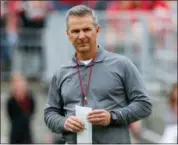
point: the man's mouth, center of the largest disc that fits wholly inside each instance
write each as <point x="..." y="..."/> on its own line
<point x="82" y="45"/>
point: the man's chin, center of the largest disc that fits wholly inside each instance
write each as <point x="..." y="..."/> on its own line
<point x="83" y="49"/>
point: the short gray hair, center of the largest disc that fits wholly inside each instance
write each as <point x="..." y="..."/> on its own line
<point x="81" y="10"/>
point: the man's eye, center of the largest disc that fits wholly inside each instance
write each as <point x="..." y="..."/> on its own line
<point x="87" y="30"/>
<point x="75" y="31"/>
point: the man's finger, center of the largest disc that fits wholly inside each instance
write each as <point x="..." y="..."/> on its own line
<point x="75" y="123"/>
<point x="95" y="120"/>
<point x="74" y="128"/>
<point x="99" y="111"/>
<point x="102" y="115"/>
<point x="74" y="118"/>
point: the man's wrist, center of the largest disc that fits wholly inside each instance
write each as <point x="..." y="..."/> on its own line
<point x="114" y="118"/>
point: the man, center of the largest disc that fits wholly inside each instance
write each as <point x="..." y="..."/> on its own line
<point x="108" y="83"/>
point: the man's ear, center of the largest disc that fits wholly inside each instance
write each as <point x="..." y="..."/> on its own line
<point x="97" y="29"/>
<point x="67" y="32"/>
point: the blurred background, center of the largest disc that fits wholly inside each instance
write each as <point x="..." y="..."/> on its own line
<point x="34" y="43"/>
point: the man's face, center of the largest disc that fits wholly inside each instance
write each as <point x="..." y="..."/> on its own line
<point x="82" y="33"/>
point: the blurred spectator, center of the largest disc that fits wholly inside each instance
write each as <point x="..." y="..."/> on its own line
<point x="136" y="129"/>
<point x="25" y="23"/>
<point x="12" y="25"/>
<point x="98" y="5"/>
<point x="27" y="14"/>
<point x="130" y="25"/>
<point x="3" y="14"/>
<point x="170" y="131"/>
<point x="20" y="108"/>
<point x="66" y="4"/>
<point x="4" y="54"/>
<point x="136" y="5"/>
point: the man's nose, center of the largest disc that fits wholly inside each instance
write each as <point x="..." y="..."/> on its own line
<point x="81" y="35"/>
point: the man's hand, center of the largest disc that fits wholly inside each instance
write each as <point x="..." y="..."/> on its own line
<point x="99" y="117"/>
<point x="73" y="124"/>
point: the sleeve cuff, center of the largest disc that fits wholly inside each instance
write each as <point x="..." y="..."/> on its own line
<point x="61" y="124"/>
<point x="116" y="118"/>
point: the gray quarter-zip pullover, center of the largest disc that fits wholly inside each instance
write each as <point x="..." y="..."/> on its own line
<point x="116" y="85"/>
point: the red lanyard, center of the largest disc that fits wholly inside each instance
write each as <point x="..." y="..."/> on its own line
<point x="88" y="83"/>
